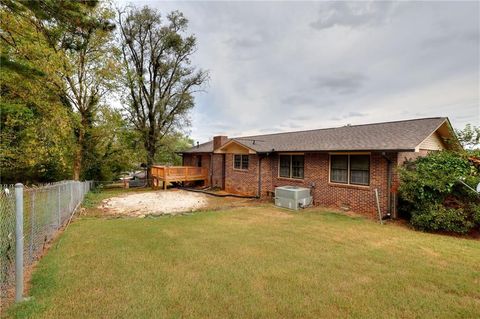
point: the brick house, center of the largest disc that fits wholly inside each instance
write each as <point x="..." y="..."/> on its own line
<point x="342" y="166"/>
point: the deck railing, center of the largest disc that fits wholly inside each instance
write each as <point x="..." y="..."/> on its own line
<point x="167" y="174"/>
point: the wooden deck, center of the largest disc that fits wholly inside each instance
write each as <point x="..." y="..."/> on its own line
<point x="166" y="174"/>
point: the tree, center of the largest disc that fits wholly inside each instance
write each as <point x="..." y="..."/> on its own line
<point x="76" y="39"/>
<point x="35" y="131"/>
<point x="469" y="137"/>
<point x="89" y="74"/>
<point x="158" y="74"/>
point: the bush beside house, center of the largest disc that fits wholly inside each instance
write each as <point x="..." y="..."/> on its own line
<point x="435" y="198"/>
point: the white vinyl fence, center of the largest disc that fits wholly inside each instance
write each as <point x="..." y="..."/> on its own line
<point x="29" y="219"/>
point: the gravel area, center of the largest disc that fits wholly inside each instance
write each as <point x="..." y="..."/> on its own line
<point x="156" y="203"/>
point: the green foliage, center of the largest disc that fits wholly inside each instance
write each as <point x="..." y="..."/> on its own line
<point x="431" y="189"/>
<point x="63" y="23"/>
<point x="440" y="218"/>
<point x="32" y="147"/>
<point x="469" y="137"/>
<point x="171" y="144"/>
<point x="111" y="153"/>
<point x="35" y="131"/>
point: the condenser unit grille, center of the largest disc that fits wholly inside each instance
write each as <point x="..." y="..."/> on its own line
<point x="292" y="197"/>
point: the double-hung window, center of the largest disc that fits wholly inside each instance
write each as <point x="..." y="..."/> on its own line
<point x="339" y="169"/>
<point x="350" y="169"/>
<point x="240" y="161"/>
<point x="291" y="166"/>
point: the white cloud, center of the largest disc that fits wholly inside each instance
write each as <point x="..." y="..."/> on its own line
<point x="279" y="66"/>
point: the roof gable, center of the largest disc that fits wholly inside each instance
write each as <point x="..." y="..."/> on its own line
<point x="234" y="146"/>
<point x="443" y="137"/>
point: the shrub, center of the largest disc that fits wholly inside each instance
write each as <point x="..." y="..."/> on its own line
<point x="437" y="201"/>
<point x="440" y="218"/>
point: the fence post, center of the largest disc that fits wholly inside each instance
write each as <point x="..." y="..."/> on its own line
<point x="72" y="205"/>
<point x="58" y="206"/>
<point x="32" y="223"/>
<point x="18" y="242"/>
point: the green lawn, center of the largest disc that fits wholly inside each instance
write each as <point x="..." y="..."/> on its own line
<point x="253" y="262"/>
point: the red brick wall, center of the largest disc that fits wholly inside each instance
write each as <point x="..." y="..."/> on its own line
<point x="186" y="159"/>
<point x="267" y="176"/>
<point x="217" y="170"/>
<point x="241" y="181"/>
<point x="192" y="160"/>
<point x="356" y="198"/>
<point x="405" y="156"/>
<point x="214" y="164"/>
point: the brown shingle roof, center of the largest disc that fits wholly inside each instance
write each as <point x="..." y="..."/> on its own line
<point x="388" y="136"/>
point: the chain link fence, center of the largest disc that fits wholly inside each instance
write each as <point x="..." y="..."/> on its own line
<point x="46" y="209"/>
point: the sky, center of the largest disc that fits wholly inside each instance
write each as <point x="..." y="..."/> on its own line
<point x="289" y="66"/>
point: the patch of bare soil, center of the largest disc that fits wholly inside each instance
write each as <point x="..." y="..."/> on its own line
<point x="155" y="203"/>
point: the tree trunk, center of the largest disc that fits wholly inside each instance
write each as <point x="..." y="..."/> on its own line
<point x="151" y="150"/>
<point x="78" y="160"/>
<point x="77" y="164"/>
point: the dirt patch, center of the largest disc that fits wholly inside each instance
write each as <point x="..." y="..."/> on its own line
<point x="155" y="203"/>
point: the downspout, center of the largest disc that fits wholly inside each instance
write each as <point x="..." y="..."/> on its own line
<point x="259" y="193"/>
<point x="389" y="184"/>
<point x="224" y="170"/>
<point x="211" y="170"/>
<point x="273" y="162"/>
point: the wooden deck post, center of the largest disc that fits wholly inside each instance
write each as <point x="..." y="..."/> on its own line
<point x="165" y="178"/>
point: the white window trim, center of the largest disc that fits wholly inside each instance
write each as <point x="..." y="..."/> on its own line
<point x="291" y="168"/>
<point x="348" y="169"/>
<point x="241" y="161"/>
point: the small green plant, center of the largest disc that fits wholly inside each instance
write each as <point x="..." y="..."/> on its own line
<point x="431" y="190"/>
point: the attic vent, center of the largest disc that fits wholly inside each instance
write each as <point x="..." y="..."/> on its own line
<point x="198" y="144"/>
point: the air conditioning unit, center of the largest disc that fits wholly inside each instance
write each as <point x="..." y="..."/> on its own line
<point x="292" y="197"/>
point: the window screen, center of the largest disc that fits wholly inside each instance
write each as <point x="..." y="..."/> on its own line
<point x="360" y="169"/>
<point x="297" y="166"/>
<point x="291" y="166"/>
<point x="339" y="168"/>
<point x="237" y="163"/>
<point x="240" y="162"/>
<point x="285" y="166"/>
<point x="244" y="161"/>
<point x="350" y="169"/>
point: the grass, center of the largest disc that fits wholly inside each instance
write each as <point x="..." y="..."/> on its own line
<point x="253" y="262"/>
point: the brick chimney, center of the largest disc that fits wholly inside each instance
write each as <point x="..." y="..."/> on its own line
<point x="218" y="141"/>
